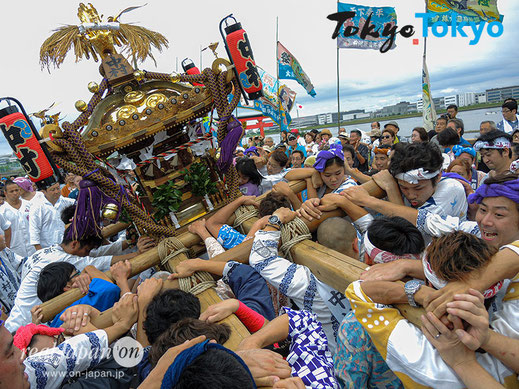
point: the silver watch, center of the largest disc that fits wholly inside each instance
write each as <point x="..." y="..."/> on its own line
<point x="275" y="220"/>
<point x="410" y="288"/>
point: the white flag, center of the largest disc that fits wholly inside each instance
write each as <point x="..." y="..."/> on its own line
<point x="429" y="112"/>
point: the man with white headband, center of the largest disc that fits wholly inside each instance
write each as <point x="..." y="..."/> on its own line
<point x="497" y="217"/>
<point x="415" y="173"/>
<point x="495" y="148"/>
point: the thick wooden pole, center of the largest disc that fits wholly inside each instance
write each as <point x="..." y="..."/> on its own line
<point x="113" y="229"/>
<point x="144" y="261"/>
<point x="54" y="306"/>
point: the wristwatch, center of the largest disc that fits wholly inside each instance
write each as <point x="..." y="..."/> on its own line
<point x="275" y="222"/>
<point x="410" y="288"/>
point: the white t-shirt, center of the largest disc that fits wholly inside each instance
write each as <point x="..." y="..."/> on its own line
<point x="4" y="223"/>
<point x="19" y="219"/>
<point x="45" y="225"/>
<point x="27" y="296"/>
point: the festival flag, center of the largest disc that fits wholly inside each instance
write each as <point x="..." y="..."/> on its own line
<point x="468" y="11"/>
<point x="377" y="17"/>
<point x="277" y="100"/>
<point x="429" y="111"/>
<point x="289" y="68"/>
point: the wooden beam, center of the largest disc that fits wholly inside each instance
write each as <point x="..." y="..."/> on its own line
<point x="113" y="229"/>
<point x="207" y="298"/>
<point x="144" y="261"/>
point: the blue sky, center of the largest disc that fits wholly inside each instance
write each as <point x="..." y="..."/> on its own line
<point x="368" y="78"/>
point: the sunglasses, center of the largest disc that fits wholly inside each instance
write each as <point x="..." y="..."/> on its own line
<point x="386" y="136"/>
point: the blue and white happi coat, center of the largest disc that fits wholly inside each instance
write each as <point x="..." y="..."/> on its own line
<point x="299" y="284"/>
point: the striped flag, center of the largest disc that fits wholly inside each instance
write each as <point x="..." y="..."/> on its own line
<point x="429" y="111"/>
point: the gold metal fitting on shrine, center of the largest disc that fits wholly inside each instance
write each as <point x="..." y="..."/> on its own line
<point x="110" y="211"/>
<point x="81" y="106"/>
<point x="174" y="77"/>
<point x="93" y="86"/>
<point x="139" y="75"/>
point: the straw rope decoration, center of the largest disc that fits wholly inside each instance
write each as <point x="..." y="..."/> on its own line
<point x="244" y="213"/>
<point x="197" y="283"/>
<point x="78" y="160"/>
<point x="292" y="233"/>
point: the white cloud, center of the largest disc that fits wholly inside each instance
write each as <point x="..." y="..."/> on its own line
<point x="368" y="78"/>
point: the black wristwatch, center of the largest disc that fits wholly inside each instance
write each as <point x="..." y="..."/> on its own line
<point x="275" y="221"/>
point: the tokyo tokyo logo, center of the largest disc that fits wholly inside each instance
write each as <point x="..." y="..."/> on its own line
<point x="370" y="31"/>
<point x="461" y="29"/>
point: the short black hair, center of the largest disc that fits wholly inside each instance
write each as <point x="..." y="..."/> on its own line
<point x="453" y="106"/>
<point x="187" y="329"/>
<point x="443" y="117"/>
<point x="271" y="202"/>
<point x="53" y="279"/>
<point x="396" y="235"/>
<point x="356" y="132"/>
<point x="414" y="156"/>
<point x="9" y="182"/>
<point x="167" y="308"/>
<point x="68" y="213"/>
<point x="299" y="152"/>
<point x="247" y="167"/>
<point x="280" y="157"/>
<point x="215" y="369"/>
<point x="511" y="104"/>
<point x="378" y="124"/>
<point x="448" y="137"/>
<point x="92" y="241"/>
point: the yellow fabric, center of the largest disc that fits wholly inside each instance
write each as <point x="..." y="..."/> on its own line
<point x="379" y="321"/>
<point x="512" y="293"/>
<point x="378" y="325"/>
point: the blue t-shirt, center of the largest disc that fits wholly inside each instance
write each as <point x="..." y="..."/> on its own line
<point x="102" y="295"/>
<point x="228" y="237"/>
<point x="290" y="150"/>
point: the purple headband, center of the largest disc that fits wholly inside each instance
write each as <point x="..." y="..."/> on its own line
<point x="455" y="176"/>
<point x="508" y="189"/>
<point x="24" y="183"/>
<point x="324" y="155"/>
<point x="251" y="150"/>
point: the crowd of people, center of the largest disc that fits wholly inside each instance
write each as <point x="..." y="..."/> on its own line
<point x="445" y="237"/>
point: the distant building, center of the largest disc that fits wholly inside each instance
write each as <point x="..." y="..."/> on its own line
<point x="467" y="98"/>
<point x="453" y="99"/>
<point x="355" y="114"/>
<point x="497" y="95"/>
<point x="439" y="103"/>
<point x="401" y="108"/>
<point x="481" y="97"/>
<point x="325" y="118"/>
